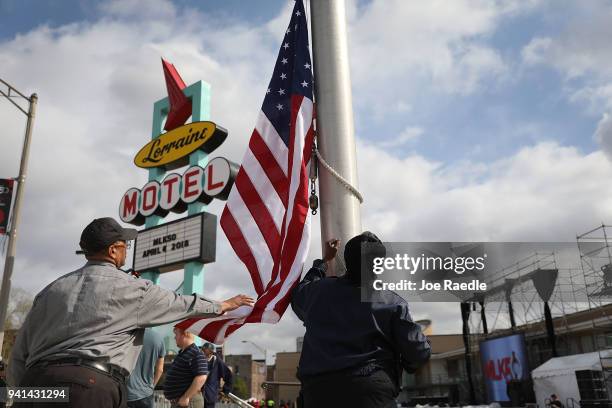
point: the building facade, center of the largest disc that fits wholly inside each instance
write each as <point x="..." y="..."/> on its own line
<point x="253" y="372"/>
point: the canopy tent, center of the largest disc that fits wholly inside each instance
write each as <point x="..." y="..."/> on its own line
<point x="558" y="375"/>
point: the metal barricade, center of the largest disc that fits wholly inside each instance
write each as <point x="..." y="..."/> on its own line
<point x="237" y="401"/>
<point x="162" y="402"/>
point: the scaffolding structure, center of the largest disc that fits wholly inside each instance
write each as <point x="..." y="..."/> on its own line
<point x="596" y="260"/>
<point x="582" y="287"/>
<point x="558" y="295"/>
<point x="513" y="303"/>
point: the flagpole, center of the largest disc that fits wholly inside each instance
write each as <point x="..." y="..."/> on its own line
<point x="340" y="213"/>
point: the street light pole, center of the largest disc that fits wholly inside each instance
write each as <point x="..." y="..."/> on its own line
<point x="12" y="235"/>
<point x="263" y="350"/>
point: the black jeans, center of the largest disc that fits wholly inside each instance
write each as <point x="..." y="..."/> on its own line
<point x="89" y="387"/>
<point x="343" y="389"/>
<point x="147" y="402"/>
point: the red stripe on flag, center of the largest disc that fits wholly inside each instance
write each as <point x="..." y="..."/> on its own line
<point x="185" y="324"/>
<point x="282" y="304"/>
<point x="259" y="211"/>
<point x="296" y="228"/>
<point x="232" y="328"/>
<point x="270" y="166"/>
<point x="295" y="101"/>
<point x="241" y="247"/>
<point x="296" y="225"/>
<point x="307" y="154"/>
<point x="211" y="330"/>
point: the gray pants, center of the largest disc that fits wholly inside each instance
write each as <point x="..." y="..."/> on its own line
<point x="88" y="387"/>
<point x="194" y="402"/>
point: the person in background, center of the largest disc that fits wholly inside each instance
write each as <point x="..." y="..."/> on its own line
<point x="3" y="393"/>
<point x="147" y="372"/>
<point x="187" y="374"/>
<point x="217" y="370"/>
<point x="354" y="349"/>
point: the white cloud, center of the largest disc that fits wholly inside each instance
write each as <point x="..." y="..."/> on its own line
<point x="581" y="53"/>
<point x="140" y="9"/>
<point x="403" y="107"/>
<point x="580" y="48"/>
<point x="544" y="192"/>
<point x="596" y="97"/>
<point x="441" y="43"/>
<point x="407" y="135"/>
<point x="535" y="51"/>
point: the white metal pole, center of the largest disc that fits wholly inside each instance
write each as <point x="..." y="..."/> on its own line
<point x="10" y="253"/>
<point x="340" y="213"/>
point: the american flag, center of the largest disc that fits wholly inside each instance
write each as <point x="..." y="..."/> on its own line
<point x="266" y="217"/>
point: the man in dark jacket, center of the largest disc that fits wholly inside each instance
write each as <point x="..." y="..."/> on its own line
<point x="354" y="351"/>
<point x="217" y="369"/>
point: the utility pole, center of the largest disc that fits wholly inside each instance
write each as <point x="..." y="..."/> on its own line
<point x="340" y="212"/>
<point x="5" y="290"/>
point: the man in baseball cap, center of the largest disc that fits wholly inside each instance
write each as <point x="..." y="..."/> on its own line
<point x="85" y="329"/>
<point x="217" y="370"/>
<point x="105" y="240"/>
<point x="101" y="233"/>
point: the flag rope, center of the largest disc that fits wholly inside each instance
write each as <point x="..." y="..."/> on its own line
<point x="338" y="177"/>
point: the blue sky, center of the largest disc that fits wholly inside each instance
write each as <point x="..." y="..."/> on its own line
<point x="480" y="126"/>
<point x="20" y="16"/>
<point x="475" y="120"/>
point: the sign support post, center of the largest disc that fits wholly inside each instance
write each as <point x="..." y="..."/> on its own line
<point x="193" y="275"/>
<point x="199" y="93"/>
<point x="190" y="242"/>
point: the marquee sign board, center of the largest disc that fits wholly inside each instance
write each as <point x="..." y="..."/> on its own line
<point x="177" y="191"/>
<point x="172" y="149"/>
<point x="6" y="196"/>
<point x="190" y="242"/>
<point x="169" y="246"/>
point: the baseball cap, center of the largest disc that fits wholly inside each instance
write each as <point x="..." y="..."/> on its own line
<point x="102" y="232"/>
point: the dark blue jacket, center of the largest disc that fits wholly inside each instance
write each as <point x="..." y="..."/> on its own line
<point x="217" y="369"/>
<point x="342" y="332"/>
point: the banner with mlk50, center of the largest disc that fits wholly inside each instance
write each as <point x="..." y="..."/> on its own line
<point x="503" y="360"/>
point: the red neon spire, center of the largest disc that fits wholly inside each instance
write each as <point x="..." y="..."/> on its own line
<point x="180" y="105"/>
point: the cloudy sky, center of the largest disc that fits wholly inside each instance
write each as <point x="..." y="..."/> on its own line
<point x="475" y="120"/>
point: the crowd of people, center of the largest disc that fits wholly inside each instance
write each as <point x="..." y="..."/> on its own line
<point x="89" y="331"/>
